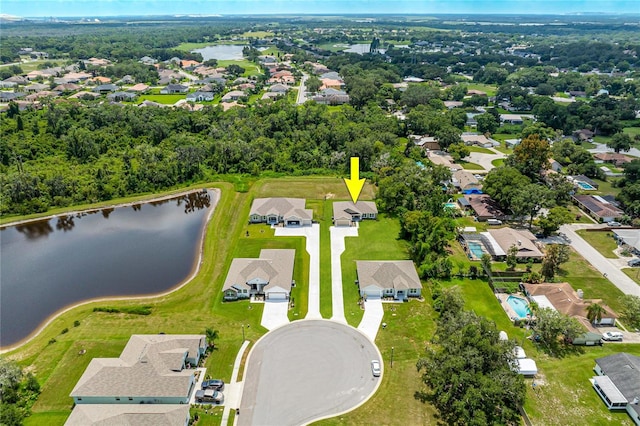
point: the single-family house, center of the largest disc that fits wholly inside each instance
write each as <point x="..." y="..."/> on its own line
<point x="555" y="166"/>
<point x="270" y="276"/>
<point x="563" y="298"/>
<point x="127" y="414"/>
<point x="465" y="181"/>
<point x="331" y="83"/>
<point x="618" y="383"/>
<point x="388" y="278"/>
<point x="11" y="96"/>
<point x="174" y="88"/>
<point x="287" y="211"/>
<point x="524" y="240"/>
<point x="18" y="79"/>
<point x="443" y="160"/>
<point x="101" y="80"/>
<point x="629" y="238"/>
<point x="147" y="60"/>
<point x="425" y="142"/>
<point x="331" y="97"/>
<point x="333" y="75"/>
<point x="67" y="87"/>
<point x="614" y="158"/>
<point x="480" y="140"/>
<point x="105" y="88"/>
<point x="36" y="87"/>
<point x="234" y="95"/>
<point x="4" y="84"/>
<point x="122" y="96"/>
<point x="453" y="104"/>
<point x="271" y="95"/>
<point x="598" y="207"/>
<point x="152" y="369"/>
<point x="511" y="119"/>
<point x="512" y="143"/>
<point x="138" y="88"/>
<point x="583" y="178"/>
<point x="200" y="96"/>
<point x="578" y="93"/>
<point x="484" y="207"/>
<point x="279" y="88"/>
<point x="346" y="213"/>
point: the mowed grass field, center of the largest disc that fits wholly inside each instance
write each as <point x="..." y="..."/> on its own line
<point x="601" y="241"/>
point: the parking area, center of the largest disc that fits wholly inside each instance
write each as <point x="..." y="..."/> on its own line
<point x="305" y="371"/>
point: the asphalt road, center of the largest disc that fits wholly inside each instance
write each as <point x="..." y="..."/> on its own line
<point x="307" y="370"/>
<point x="302" y="95"/>
<point x="601" y="263"/>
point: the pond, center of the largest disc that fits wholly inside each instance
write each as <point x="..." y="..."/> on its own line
<point x="223" y="52"/>
<point x="50" y="264"/>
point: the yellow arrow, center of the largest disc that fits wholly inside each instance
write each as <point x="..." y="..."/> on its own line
<point x="355" y="184"/>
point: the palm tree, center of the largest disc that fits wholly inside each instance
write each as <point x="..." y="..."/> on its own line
<point x="594" y="312"/>
<point x="212" y="335"/>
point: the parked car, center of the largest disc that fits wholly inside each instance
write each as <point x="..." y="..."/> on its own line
<point x="614" y="223"/>
<point x="215" y="384"/>
<point x="375" y="368"/>
<point x="634" y="262"/>
<point x="209" y="395"/>
<point x="494" y="222"/>
<point x="611" y="336"/>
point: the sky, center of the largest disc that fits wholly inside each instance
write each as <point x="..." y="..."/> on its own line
<point x="93" y="8"/>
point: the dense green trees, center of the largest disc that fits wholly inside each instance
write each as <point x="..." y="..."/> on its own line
<point x="468" y="370"/>
<point x="18" y="391"/>
<point x="93" y="152"/>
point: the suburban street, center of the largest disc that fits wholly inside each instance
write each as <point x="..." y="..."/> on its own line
<point x="305" y="371"/>
<point x="598" y="261"/>
<point x="302" y="95"/>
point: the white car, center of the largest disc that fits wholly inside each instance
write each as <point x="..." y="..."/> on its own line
<point x="375" y="368"/>
<point x="612" y="336"/>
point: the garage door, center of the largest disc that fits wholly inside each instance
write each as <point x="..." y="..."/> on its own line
<point x="372" y="292"/>
<point x="276" y="296"/>
<point x="293" y="223"/>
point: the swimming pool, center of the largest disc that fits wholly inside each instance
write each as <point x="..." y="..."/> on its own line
<point x="450" y="206"/>
<point x="476" y="249"/>
<point x="520" y="306"/>
<point x="585" y="186"/>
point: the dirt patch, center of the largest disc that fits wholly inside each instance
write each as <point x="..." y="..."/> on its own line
<point x="329" y="196"/>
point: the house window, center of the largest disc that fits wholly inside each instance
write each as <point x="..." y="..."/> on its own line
<point x="117" y="399"/>
<point x="388" y="291"/>
<point x="130" y="399"/>
<point x="413" y="291"/>
<point x="79" y="399"/>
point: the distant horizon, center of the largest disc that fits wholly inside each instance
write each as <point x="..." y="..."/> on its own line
<point x="141" y="8"/>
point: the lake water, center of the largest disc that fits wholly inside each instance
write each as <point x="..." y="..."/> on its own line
<point x="221" y="51"/>
<point x="53" y="263"/>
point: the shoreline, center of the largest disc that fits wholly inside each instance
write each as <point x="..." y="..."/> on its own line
<point x="195" y="269"/>
<point x="108" y="206"/>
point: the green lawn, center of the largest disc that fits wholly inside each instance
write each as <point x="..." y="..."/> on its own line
<point x="581" y="275"/>
<point x="376" y="240"/>
<point x="475" y="148"/>
<point x="605" y="187"/>
<point x="601" y="241"/>
<point x="489" y="89"/>
<point x="631" y="131"/>
<point x="251" y="68"/>
<point x="162" y="99"/>
<point x="633" y="273"/>
<point x="498" y="162"/>
<point x="470" y="166"/>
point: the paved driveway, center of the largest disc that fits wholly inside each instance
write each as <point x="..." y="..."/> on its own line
<point x="275" y="314"/>
<point x="312" y="234"/>
<point x="601" y="263"/>
<point x="307" y="370"/>
<point x="484" y="159"/>
<point x="337" y="248"/>
<point x="372" y="317"/>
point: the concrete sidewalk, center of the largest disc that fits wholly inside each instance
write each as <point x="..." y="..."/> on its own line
<point x="312" y="235"/>
<point x="601" y="263"/>
<point x="233" y="389"/>
<point x="372" y="317"/>
<point x="337" y="247"/>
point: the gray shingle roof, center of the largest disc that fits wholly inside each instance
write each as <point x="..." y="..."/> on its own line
<point x="149" y="366"/>
<point x="284" y="207"/>
<point x="624" y="371"/>
<point x="397" y="274"/>
<point x="129" y="414"/>
<point x="345" y="209"/>
<point x="273" y="266"/>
